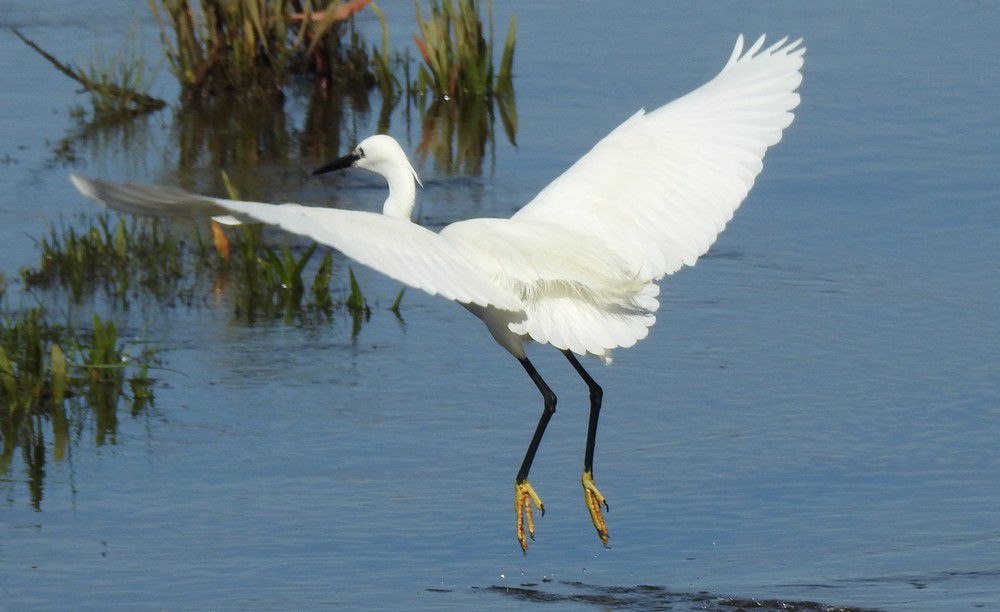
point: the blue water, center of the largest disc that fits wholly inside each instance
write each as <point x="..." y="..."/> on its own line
<point x="814" y="417"/>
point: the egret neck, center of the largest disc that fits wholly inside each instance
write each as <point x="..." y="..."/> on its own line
<point x="402" y="190"/>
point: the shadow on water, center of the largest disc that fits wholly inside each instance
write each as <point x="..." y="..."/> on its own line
<point x="646" y="597"/>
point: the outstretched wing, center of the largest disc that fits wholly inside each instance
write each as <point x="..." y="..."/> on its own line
<point x="395" y="247"/>
<point x="661" y="187"/>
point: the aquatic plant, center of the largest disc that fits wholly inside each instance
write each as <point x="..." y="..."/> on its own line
<point x="37" y="369"/>
<point x="250" y="47"/>
<point x="117" y="257"/>
<point x="357" y="305"/>
<point x="382" y="60"/>
<point x="458" y="123"/>
<point x="396" y="303"/>
<point x="118" y="86"/>
<point x="132" y="258"/>
<point x="458" y="58"/>
<point x="272" y="282"/>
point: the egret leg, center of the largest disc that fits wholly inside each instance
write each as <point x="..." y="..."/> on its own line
<point x="524" y="495"/>
<point x="591" y="495"/>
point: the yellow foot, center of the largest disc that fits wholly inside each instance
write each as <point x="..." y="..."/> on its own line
<point x="594" y="501"/>
<point x="524" y="495"/>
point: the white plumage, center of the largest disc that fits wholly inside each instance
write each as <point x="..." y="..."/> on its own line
<point x="575" y="267"/>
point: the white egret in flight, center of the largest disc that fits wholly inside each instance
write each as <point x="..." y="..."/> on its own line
<point x="577" y="266"/>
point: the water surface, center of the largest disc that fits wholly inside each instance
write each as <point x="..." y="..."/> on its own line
<point x="814" y="417"/>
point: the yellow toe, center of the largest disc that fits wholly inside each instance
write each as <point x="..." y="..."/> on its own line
<point x="594" y="499"/>
<point x="524" y="496"/>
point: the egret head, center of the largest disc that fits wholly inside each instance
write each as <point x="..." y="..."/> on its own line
<point x="380" y="154"/>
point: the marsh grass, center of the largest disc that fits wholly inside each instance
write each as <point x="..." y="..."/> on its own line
<point x="130" y="259"/>
<point x="118" y="86"/>
<point x="458" y="88"/>
<point x="458" y="51"/>
<point x="237" y="60"/>
<point x="251" y="48"/>
<point x="120" y="257"/>
<point x="273" y="282"/>
<point x="394" y="309"/>
<point x="357" y="305"/>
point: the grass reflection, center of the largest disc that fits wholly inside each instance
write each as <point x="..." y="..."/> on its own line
<point x="457" y="135"/>
<point x="53" y="378"/>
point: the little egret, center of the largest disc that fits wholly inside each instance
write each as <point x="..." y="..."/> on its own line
<point x="577" y="266"/>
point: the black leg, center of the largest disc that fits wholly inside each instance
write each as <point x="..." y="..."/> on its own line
<point x="596" y="394"/>
<point x="547" y="412"/>
<point x="591" y="494"/>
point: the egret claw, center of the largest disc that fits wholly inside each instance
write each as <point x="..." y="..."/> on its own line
<point x="594" y="499"/>
<point x="524" y="497"/>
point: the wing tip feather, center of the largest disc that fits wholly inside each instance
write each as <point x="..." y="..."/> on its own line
<point x="85" y="186"/>
<point x="737" y="51"/>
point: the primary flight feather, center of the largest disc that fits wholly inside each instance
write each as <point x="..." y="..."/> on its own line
<point x="577" y="266"/>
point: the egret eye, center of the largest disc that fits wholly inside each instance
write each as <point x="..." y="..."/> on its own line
<point x="361" y="152"/>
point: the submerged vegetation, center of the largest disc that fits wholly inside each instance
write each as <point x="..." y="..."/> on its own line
<point x="126" y="259"/>
<point x="269" y="283"/>
<point x="55" y="378"/>
<point x="52" y="374"/>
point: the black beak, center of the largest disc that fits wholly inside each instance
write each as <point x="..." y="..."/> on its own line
<point x="338" y="164"/>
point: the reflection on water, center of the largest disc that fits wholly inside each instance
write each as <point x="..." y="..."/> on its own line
<point x="457" y="133"/>
<point x="646" y="597"/>
<point x="56" y="431"/>
<point x="269" y="147"/>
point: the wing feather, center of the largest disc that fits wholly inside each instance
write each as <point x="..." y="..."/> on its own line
<point x="395" y="247"/>
<point x="661" y="186"/>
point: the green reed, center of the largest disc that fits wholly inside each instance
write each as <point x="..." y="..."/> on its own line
<point x="458" y="51"/>
<point x="382" y="62"/>
<point x="273" y="282"/>
<point x="251" y="47"/>
<point x="119" y="257"/>
<point x="357" y="306"/>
